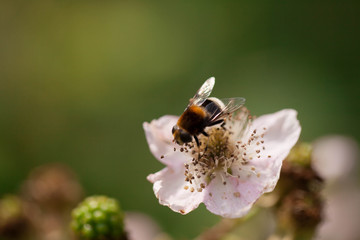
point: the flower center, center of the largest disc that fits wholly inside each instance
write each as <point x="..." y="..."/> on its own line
<point x="216" y="153"/>
<point x="224" y="152"/>
<point x="216" y="150"/>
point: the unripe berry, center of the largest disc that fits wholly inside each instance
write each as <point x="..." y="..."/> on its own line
<point x="98" y="218"/>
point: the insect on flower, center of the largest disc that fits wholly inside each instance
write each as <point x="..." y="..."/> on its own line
<point x="234" y="159"/>
<point x="203" y="112"/>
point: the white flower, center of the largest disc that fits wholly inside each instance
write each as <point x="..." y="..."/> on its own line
<point x="140" y="226"/>
<point x="230" y="170"/>
<point x="334" y="157"/>
<point x="341" y="215"/>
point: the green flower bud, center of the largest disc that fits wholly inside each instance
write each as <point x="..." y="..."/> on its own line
<point x="98" y="218"/>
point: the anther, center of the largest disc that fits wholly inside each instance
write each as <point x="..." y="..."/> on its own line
<point x="236" y="194"/>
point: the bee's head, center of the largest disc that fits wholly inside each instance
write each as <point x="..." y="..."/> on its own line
<point x="180" y="135"/>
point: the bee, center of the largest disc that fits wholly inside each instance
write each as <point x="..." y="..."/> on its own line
<point x="202" y="112"/>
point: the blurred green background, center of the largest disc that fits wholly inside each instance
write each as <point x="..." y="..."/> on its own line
<point x="78" y="79"/>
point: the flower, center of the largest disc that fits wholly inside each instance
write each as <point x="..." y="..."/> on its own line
<point x="341" y="215"/>
<point x="230" y="169"/>
<point x="334" y="157"/>
<point x="140" y="226"/>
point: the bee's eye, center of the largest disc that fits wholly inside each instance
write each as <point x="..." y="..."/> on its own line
<point x="185" y="137"/>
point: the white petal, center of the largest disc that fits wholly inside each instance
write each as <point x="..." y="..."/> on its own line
<point x="341" y="215"/>
<point x="139" y="226"/>
<point x="334" y="157"/>
<point x="159" y="137"/>
<point x="281" y="132"/>
<point x="234" y="199"/>
<point x="169" y="189"/>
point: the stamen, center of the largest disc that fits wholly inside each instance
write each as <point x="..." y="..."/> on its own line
<point x="221" y="153"/>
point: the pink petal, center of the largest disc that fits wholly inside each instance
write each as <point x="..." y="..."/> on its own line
<point x="159" y="137"/>
<point x="233" y="200"/>
<point x="334" y="157"/>
<point x="169" y="189"/>
<point x="341" y="215"/>
<point x="282" y="131"/>
<point x="248" y="182"/>
<point x="139" y="226"/>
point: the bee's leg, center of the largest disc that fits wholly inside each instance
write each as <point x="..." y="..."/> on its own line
<point x="205" y="134"/>
<point x="197" y="141"/>
<point x="216" y="122"/>
<point x="223" y="125"/>
<point x="198" y="145"/>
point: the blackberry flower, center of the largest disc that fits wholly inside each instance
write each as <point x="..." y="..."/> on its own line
<point x="230" y="169"/>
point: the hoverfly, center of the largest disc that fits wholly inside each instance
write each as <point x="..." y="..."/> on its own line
<point x="203" y="111"/>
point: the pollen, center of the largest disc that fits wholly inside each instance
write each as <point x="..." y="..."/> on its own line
<point x="225" y="152"/>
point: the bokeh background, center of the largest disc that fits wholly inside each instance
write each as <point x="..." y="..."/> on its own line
<point x="78" y="79"/>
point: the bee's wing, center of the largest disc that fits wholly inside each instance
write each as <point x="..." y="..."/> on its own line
<point x="230" y="106"/>
<point x="203" y="93"/>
